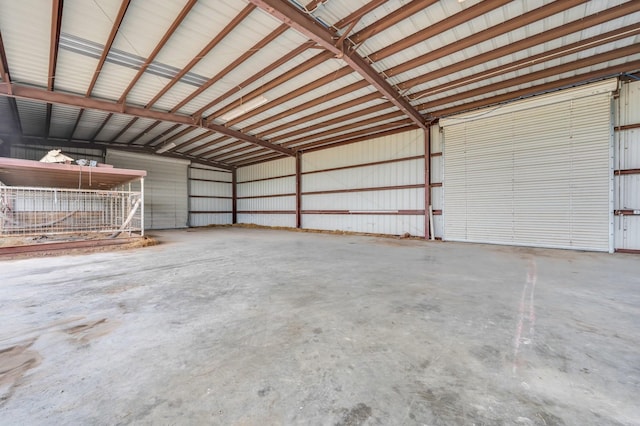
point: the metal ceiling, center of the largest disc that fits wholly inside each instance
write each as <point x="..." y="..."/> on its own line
<point x="145" y="74"/>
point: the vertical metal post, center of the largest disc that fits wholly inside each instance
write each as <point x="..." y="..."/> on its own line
<point x="427" y="182"/>
<point x="189" y="201"/>
<point x="142" y="207"/>
<point x="234" y="196"/>
<point x="298" y="189"/>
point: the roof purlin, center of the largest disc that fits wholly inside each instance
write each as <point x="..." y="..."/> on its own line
<point x="289" y="15"/>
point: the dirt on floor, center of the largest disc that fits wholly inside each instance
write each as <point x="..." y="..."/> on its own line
<point x="128" y="242"/>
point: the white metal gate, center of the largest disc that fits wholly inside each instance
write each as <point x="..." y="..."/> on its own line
<point x="536" y="172"/>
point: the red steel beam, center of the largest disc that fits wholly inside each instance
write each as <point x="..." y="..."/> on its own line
<point x="337" y="120"/>
<point x="541" y="88"/>
<point x="107" y="46"/>
<point x="393" y="18"/>
<point x="294" y="72"/>
<point x="211" y="152"/>
<point x="286" y="58"/>
<point x="371" y="132"/>
<point x="250" y="163"/>
<point x="293" y="94"/>
<point x="349" y="140"/>
<point x="298" y="189"/>
<point x="213" y="43"/>
<point x="36" y="94"/>
<point x="174" y="26"/>
<point x="491" y="32"/>
<point x="569" y="49"/>
<point x="6" y="78"/>
<point x="427" y="183"/>
<point x="439" y="27"/>
<point x="103" y="57"/>
<point x="196" y="139"/>
<point x="245" y="56"/>
<point x="56" y="23"/>
<point x="331" y="110"/>
<point x="351" y="126"/>
<point x="212" y="143"/>
<point x="234" y="195"/>
<point x="315" y="102"/>
<point x="534" y="40"/>
<point x="549" y="72"/>
<point x="288" y="14"/>
<point x="4" y="66"/>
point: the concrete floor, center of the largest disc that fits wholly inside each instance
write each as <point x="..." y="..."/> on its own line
<point x="236" y="326"/>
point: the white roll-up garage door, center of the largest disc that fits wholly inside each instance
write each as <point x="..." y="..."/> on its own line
<point x="536" y="172"/>
<point x="165" y="187"/>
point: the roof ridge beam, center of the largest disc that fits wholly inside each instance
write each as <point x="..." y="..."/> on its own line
<point x="289" y="15"/>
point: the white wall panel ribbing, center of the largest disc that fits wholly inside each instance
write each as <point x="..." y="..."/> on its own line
<point x="535" y="173"/>
<point x="266" y="193"/>
<point x="210" y="196"/>
<point x="627" y="160"/>
<point x="384" y="198"/>
<point x="165" y="187"/>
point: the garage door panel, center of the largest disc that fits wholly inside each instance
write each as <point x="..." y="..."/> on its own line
<point x="533" y="176"/>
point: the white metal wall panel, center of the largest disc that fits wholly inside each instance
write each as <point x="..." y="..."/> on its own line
<point x="408" y="172"/>
<point x="628" y="105"/>
<point x="406" y="144"/>
<point x="210" y="193"/>
<point x="373" y="211"/>
<point x="385" y="200"/>
<point x="275" y="186"/>
<point x="285" y="166"/>
<point x="375" y="224"/>
<point x="265" y="180"/>
<point x="538" y="176"/>
<point x="267" y="204"/>
<point x="627" y="157"/>
<point x="284" y="220"/>
<point x="165" y="187"/>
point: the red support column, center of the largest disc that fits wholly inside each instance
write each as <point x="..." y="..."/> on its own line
<point x="234" y="195"/>
<point x="427" y="182"/>
<point x="298" y="189"/>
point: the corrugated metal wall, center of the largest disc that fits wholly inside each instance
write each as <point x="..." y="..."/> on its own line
<point x="627" y="166"/>
<point x="165" y="187"/>
<point x="266" y="193"/>
<point x="537" y="172"/>
<point x="210" y="196"/>
<point x="374" y="186"/>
